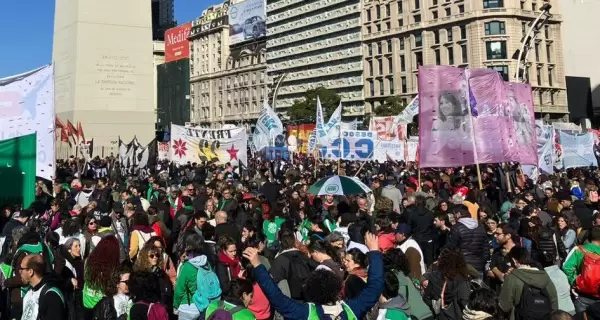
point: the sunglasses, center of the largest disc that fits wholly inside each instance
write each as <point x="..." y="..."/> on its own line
<point x="91" y="223"/>
<point x="153" y="256"/>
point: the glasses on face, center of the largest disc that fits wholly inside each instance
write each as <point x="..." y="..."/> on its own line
<point x="23" y="268"/>
<point x="153" y="256"/>
<point x="92" y="223"/>
<point x="125" y="281"/>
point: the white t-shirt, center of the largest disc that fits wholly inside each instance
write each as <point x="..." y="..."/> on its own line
<point x="122" y="303"/>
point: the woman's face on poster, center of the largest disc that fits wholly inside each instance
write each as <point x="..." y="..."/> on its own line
<point x="446" y="106"/>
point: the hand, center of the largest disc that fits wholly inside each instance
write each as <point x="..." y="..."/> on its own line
<point x="424" y="284"/>
<point x="74" y="282"/>
<point x="508" y="271"/>
<point x="252" y="255"/>
<point x="176" y="312"/>
<point x="371" y="242"/>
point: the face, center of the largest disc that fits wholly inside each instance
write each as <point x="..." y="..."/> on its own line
<point x="338" y="244"/>
<point x="483" y="215"/>
<point x="247" y="298"/>
<point x="75" y="249"/>
<point x="329" y="198"/>
<point x="210" y="206"/>
<point x="191" y="190"/>
<point x="153" y="258"/>
<point x="362" y="204"/>
<point x="438" y="223"/>
<point x="200" y="222"/>
<point x="444" y="206"/>
<point x="548" y="193"/>
<point x="124" y="196"/>
<point x="226" y="194"/>
<point x="159" y="247"/>
<point x="25" y="273"/>
<point x="446" y="106"/>
<point x="500" y="236"/>
<point x="123" y="286"/>
<point x="521" y="204"/>
<point x="92" y="225"/>
<point x="529" y="197"/>
<point x="491" y="224"/>
<point x="565" y="203"/>
<point x="295" y="195"/>
<point x="231" y="251"/>
<point x="247" y="233"/>
<point x="349" y="263"/>
<point x="561" y="223"/>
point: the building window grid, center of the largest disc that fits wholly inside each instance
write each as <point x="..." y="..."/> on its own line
<point x="451" y="55"/>
<point x="380" y="67"/>
<point x="461" y="8"/>
<point x="503" y="70"/>
<point x="417" y="18"/>
<point x="539" y="76"/>
<point x="389" y="46"/>
<point x="401" y="44"/>
<point x="496" y="50"/>
<point x="436" y="36"/>
<point x="464" y="53"/>
<point x="403" y="82"/>
<point x="381" y="88"/>
<point x="418" y="41"/>
<point x="417" y="4"/>
<point x="449" y="34"/>
<point x="438" y="59"/>
<point x="391" y="85"/>
<point x="550" y="80"/>
<point x="490" y="4"/>
<point x="494" y="28"/>
<point x="388" y="11"/>
<point x="402" y="64"/>
<point x="548" y="53"/>
<point x="390" y="66"/>
<point x="448" y="12"/>
<point x="463" y="32"/>
<point x="434" y="14"/>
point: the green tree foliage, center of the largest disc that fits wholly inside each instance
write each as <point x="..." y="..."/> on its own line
<point x="391" y="107"/>
<point x="307" y="108"/>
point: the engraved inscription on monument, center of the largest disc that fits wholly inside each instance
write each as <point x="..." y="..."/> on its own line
<point x="116" y="76"/>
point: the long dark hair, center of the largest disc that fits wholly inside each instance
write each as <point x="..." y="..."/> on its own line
<point x="322" y="247"/>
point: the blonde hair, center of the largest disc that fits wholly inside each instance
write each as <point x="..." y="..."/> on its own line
<point x="142" y="263"/>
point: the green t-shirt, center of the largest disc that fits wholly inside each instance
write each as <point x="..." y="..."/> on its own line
<point x="91" y="297"/>
<point x="243" y="314"/>
<point x="271" y="228"/>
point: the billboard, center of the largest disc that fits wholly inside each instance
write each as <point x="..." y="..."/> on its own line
<point x="247" y="21"/>
<point x="177" y="45"/>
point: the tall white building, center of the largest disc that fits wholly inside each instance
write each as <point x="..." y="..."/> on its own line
<point x="316" y="44"/>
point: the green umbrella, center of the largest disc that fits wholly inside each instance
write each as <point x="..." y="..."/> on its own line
<point x="338" y="185"/>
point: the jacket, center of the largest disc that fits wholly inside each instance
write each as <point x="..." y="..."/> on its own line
<point x="394" y="309"/>
<point x="392" y="193"/>
<point x="105" y="309"/>
<point x="243" y="314"/>
<point x="583" y="213"/>
<point x="510" y="295"/>
<point x="456" y="295"/>
<point x="421" y="223"/>
<point x="470" y="237"/>
<point x="417" y="307"/>
<point x="563" y="289"/>
<point x="573" y="264"/>
<point x="294" y="310"/>
<point x="186" y="284"/>
<point x="281" y="268"/>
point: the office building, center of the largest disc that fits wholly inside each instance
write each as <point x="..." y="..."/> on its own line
<point x="227" y="69"/>
<point x="103" y="60"/>
<point x="163" y="18"/>
<point x="401" y="35"/>
<point x="316" y="44"/>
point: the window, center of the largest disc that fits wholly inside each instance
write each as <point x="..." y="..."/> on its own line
<point x="496" y="50"/>
<point x="378" y="11"/>
<point x="548" y="53"/>
<point x="487" y="4"/>
<point x="522" y="4"/>
<point x="434" y="2"/>
<point x="552" y="98"/>
<point x="448" y="12"/>
<point x="537" y="52"/>
<point x="438" y="59"/>
<point x="436" y="36"/>
<point x="463" y="32"/>
<point x="417" y="4"/>
<point x="450" y="55"/>
<point x="370" y="68"/>
<point x="403" y="84"/>
<point x="541" y="98"/>
<point x="464" y="54"/>
<point x="418" y="59"/>
<point x="390" y="65"/>
<point x="400" y="22"/>
<point x="400" y="7"/>
<point x="387" y="10"/>
<point x="371" y="88"/>
<point x="379" y="50"/>
<point x="402" y="64"/>
<point x="503" y="70"/>
<point x="402" y="44"/>
<point x="368" y="29"/>
<point x="381" y="91"/>
<point x="380" y="65"/>
<point x="495" y="27"/>
<point x="534" y="7"/>
<point x="550" y="80"/>
<point x="461" y="8"/>
<point x="370" y="50"/>
<point x="388" y="26"/>
<point x="539" y="76"/>
<point x="417" y="18"/>
<point x="378" y="27"/>
<point x="369" y="18"/>
<point x="547" y="31"/>
<point x="523" y="28"/>
<point x="434" y="14"/>
<point x="418" y="40"/>
<point x="449" y="33"/>
<point x="391" y="85"/>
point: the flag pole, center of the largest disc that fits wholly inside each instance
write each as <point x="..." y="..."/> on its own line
<point x="468" y="99"/>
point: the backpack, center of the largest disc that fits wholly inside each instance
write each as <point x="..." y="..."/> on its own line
<point x="299" y="272"/>
<point x="179" y="246"/>
<point x="222" y="314"/>
<point x="47" y="288"/>
<point x="546" y="250"/>
<point x="533" y="305"/>
<point x="588" y="282"/>
<point x="208" y="287"/>
<point x="156" y="311"/>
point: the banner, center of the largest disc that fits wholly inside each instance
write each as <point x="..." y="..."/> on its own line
<point x="136" y="159"/>
<point x="411" y="153"/>
<point x="545" y="146"/>
<point x="480" y="119"/>
<point x="298" y="137"/>
<point x="578" y="150"/>
<point x="356" y="145"/>
<point x="18" y="170"/>
<point x="208" y="145"/>
<point x="408" y="114"/>
<point x="27" y="107"/>
<point x="390" y="138"/>
<point x="164" y="151"/>
<point x="267" y="127"/>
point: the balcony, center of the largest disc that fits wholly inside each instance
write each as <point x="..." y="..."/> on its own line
<point x="301" y="10"/>
<point x="319" y="58"/>
<point x="290" y="37"/>
<point x="314" y="46"/>
<point x="316" y="19"/>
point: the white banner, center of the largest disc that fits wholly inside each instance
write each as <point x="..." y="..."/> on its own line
<point x="27" y="106"/>
<point x="411" y="154"/>
<point x="545" y="147"/>
<point x="578" y="150"/>
<point x="208" y="145"/>
<point x="164" y="151"/>
<point x="390" y="138"/>
<point x="268" y="126"/>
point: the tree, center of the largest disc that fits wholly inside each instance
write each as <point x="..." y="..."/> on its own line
<point x="306" y="109"/>
<point x="391" y="107"/>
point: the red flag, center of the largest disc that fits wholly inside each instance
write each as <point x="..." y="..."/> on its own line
<point x="64" y="135"/>
<point x="58" y="123"/>
<point x="72" y="131"/>
<point x="80" y="131"/>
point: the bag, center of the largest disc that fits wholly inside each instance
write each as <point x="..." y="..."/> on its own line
<point x="588" y="282"/>
<point x="437" y="305"/>
<point x="222" y="314"/>
<point x="299" y="273"/>
<point x="156" y="311"/>
<point x="208" y="287"/>
<point x="179" y="246"/>
<point x="533" y="305"/>
<point x="545" y="247"/>
<point x="46" y="288"/>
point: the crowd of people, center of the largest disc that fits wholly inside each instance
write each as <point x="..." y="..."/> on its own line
<point x="207" y="241"/>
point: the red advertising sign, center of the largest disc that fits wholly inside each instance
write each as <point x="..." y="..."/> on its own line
<point x="177" y="45"/>
<point x="301" y="133"/>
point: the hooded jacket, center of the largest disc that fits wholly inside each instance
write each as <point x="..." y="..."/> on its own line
<point x="470" y="237"/>
<point x="512" y="288"/>
<point x="395" y="309"/>
<point x="421" y="224"/>
<point x="186" y="285"/>
<point x="583" y="213"/>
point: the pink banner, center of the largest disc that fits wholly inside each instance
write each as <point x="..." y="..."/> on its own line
<point x="500" y="124"/>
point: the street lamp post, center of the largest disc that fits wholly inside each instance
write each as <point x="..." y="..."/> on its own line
<point x="528" y="42"/>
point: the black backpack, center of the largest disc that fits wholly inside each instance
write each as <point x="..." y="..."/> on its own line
<point x="299" y="272"/>
<point x="533" y="305"/>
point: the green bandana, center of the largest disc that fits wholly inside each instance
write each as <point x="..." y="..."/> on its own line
<point x="189" y="208"/>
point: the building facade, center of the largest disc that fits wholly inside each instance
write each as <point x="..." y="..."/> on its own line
<point x="163" y="18"/>
<point x="400" y="35"/>
<point x="228" y="82"/>
<point x="313" y="44"/>
<point x="158" y="55"/>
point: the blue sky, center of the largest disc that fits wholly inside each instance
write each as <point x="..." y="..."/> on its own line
<point x="27" y="27"/>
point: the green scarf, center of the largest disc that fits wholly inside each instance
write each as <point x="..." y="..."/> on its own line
<point x="172" y="202"/>
<point x="223" y="203"/>
<point x="189" y="208"/>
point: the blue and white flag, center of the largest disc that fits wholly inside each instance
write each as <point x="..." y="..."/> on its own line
<point x="268" y="126"/>
<point x="578" y="150"/>
<point x="333" y="125"/>
<point x="349" y="125"/>
<point x="407" y="115"/>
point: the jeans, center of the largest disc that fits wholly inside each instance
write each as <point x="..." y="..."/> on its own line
<point x="582" y="303"/>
